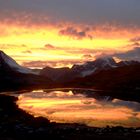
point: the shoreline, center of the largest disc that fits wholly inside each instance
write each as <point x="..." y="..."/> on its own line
<point x="16" y="124"/>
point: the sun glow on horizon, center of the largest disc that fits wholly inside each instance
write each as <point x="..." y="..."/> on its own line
<point x="48" y="44"/>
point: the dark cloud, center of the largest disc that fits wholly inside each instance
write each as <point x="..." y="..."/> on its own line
<point x="38" y="64"/>
<point x="133" y="54"/>
<point x="42" y="64"/>
<point x="136" y="44"/>
<point x="23" y="45"/>
<point x="27" y="51"/>
<point x="75" y="33"/>
<point x="87" y="57"/>
<point x="135" y="39"/>
<point x="90" y="53"/>
<point x="8" y="46"/>
<point x="131" y="105"/>
<point x="49" y="46"/>
<point x="26" y="18"/>
<point x="82" y="11"/>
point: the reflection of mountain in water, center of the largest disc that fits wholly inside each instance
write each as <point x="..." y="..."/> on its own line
<point x="86" y="92"/>
<point x="97" y="94"/>
<point x="93" y="94"/>
<point x="102" y="73"/>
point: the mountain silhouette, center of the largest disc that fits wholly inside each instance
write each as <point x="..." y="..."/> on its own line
<point x="14" y="76"/>
<point x="102" y="73"/>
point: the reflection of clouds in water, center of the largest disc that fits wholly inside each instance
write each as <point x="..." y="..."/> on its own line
<point x="134" y="119"/>
<point x="52" y="94"/>
<point x="50" y="112"/>
<point x="68" y="107"/>
<point x="132" y="105"/>
<point x="61" y="94"/>
<point x="87" y="102"/>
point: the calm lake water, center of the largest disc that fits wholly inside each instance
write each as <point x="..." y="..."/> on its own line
<point x="80" y="106"/>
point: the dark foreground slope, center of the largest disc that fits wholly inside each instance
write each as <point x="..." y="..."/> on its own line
<point x="14" y="76"/>
<point x="18" y="81"/>
<point x="15" y="124"/>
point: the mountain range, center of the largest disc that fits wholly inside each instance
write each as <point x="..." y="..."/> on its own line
<point x="81" y="71"/>
<point x="102" y="73"/>
<point x="14" y="76"/>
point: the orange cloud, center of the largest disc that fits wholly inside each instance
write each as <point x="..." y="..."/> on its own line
<point x="75" y="33"/>
<point x="42" y="64"/>
<point x="49" y="46"/>
<point x="30" y="39"/>
<point x="135" y="39"/>
<point x="27" y="51"/>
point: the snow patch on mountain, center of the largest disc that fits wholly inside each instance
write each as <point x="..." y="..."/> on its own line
<point x="87" y="72"/>
<point x="105" y="62"/>
<point x="13" y="64"/>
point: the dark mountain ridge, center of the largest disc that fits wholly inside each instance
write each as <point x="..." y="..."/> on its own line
<point x="102" y="73"/>
<point x="62" y="75"/>
<point x="125" y="77"/>
<point x="15" y="77"/>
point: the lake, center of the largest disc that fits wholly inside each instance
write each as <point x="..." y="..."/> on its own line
<point x="83" y="106"/>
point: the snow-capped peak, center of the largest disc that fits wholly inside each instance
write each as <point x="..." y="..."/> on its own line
<point x="106" y="61"/>
<point x="4" y="58"/>
<point x="91" y="67"/>
<point x="88" y="72"/>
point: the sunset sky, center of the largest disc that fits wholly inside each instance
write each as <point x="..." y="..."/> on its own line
<point x="60" y="33"/>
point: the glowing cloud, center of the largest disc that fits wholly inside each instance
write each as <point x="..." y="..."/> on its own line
<point x="45" y="36"/>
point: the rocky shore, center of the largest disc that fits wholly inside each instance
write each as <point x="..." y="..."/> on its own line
<point x="16" y="124"/>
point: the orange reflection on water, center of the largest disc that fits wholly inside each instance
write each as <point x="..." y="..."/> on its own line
<point x="66" y="107"/>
